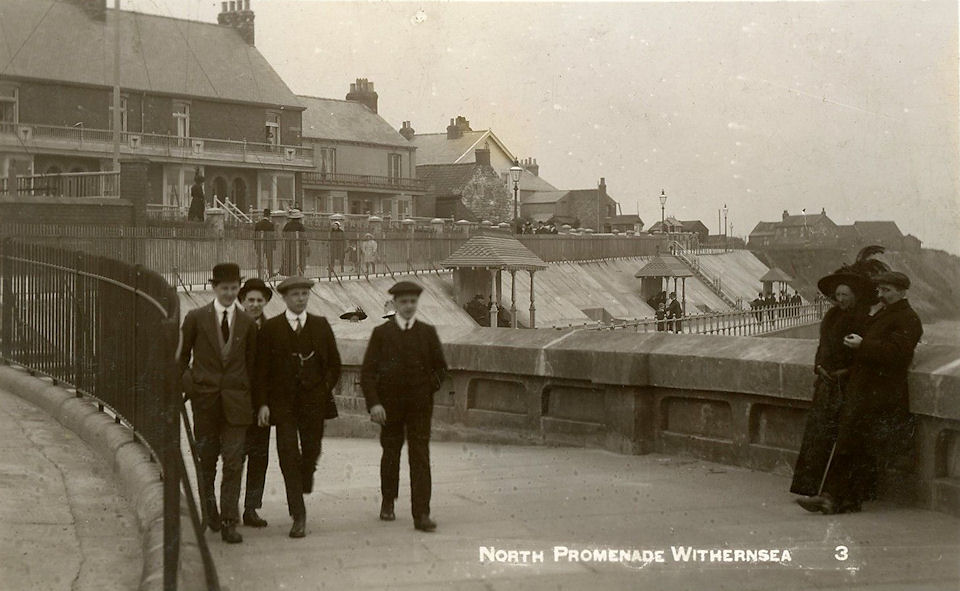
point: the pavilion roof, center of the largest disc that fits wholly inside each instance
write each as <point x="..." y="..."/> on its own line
<point x="776" y="274"/>
<point x="499" y="252"/>
<point x="664" y="266"/>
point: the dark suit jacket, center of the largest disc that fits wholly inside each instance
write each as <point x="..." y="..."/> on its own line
<point x="674" y="310"/>
<point x="219" y="372"/>
<point x="380" y="362"/>
<point x="281" y="380"/>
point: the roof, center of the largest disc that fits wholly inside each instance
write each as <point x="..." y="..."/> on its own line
<point x="446" y="179"/>
<point x="626" y="218"/>
<point x="803" y="220"/>
<point x="58" y="41"/>
<point x="502" y="252"/>
<point x="776" y="274"/>
<point x="532" y="182"/>
<point x="693" y="225"/>
<point x="665" y="266"/>
<point x="879" y="231"/>
<point x="543" y="197"/>
<point x="435" y="148"/>
<point x="349" y="121"/>
<point x="764" y="229"/>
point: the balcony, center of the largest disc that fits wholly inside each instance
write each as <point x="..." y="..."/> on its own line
<point x="99" y="143"/>
<point x="364" y="181"/>
<point x="73" y="184"/>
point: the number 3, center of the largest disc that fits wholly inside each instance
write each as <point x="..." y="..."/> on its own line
<point x="840" y="553"/>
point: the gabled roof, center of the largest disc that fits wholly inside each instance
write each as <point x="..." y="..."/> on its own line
<point x="501" y="252"/>
<point x="446" y="179"/>
<point x="626" y="218"/>
<point x="886" y="231"/>
<point x="435" y="148"/>
<point x="348" y="121"/>
<point x="803" y="220"/>
<point x="57" y="41"/>
<point x="764" y="229"/>
<point x="665" y="266"/>
<point x="543" y="197"/>
<point x="532" y="182"/>
<point x="776" y="274"/>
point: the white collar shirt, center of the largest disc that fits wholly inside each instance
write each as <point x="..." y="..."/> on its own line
<point x="293" y="318"/>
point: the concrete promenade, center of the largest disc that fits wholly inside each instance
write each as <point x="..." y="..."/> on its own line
<point x="63" y="523"/>
<point x="536" y="498"/>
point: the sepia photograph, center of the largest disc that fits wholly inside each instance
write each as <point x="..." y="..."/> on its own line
<point x="479" y="295"/>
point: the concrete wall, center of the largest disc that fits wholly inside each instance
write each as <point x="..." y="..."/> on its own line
<point x="735" y="400"/>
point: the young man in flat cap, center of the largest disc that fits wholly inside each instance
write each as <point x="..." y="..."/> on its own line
<point x="253" y="296"/>
<point x="221" y="342"/>
<point x="402" y="368"/>
<point x="298" y="366"/>
<point x="875" y="422"/>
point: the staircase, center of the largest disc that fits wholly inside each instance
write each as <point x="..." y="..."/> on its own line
<point x="235" y="212"/>
<point x="693" y="262"/>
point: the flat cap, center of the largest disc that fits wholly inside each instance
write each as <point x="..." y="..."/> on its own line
<point x="405" y="287"/>
<point x="893" y="278"/>
<point x="291" y="282"/>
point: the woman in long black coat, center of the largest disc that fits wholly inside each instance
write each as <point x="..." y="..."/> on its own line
<point x="850" y="293"/>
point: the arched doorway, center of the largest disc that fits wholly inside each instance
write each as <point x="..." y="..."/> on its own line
<point x="220" y="187"/>
<point x="239" y="194"/>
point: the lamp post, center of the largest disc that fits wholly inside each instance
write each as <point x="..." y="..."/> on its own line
<point x="515" y="172"/>
<point x="663" y="206"/>
<point x="725" y="227"/>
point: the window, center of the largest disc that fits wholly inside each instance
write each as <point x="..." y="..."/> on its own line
<point x="9" y="112"/>
<point x="123" y="114"/>
<point x="327" y="160"/>
<point x="393" y="166"/>
<point x="272" y="128"/>
<point x="181" y="116"/>
<point x="336" y="204"/>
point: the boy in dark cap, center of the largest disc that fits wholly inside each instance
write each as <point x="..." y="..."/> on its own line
<point x="253" y="296"/>
<point x="298" y="366"/>
<point x="402" y="368"/>
<point x="221" y="341"/>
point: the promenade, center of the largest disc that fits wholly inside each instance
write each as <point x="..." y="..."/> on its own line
<point x="63" y="523"/>
<point x="538" y="498"/>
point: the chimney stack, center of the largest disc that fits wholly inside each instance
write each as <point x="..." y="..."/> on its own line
<point x="407" y="131"/>
<point x="602" y="186"/>
<point x="95" y="9"/>
<point x="457" y="127"/>
<point x="362" y="92"/>
<point x="237" y="15"/>
<point x="823" y="211"/>
<point x="482" y="156"/>
<point x="531" y="166"/>
<point x="786" y="214"/>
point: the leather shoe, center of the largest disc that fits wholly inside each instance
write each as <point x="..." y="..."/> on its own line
<point x="213" y="516"/>
<point x="424" y="523"/>
<point x="820" y="504"/>
<point x="386" y="510"/>
<point x="299" y="528"/>
<point x="251" y="518"/>
<point x="307" y="483"/>
<point x="229" y="533"/>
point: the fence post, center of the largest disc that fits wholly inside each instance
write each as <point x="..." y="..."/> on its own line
<point x="77" y="325"/>
<point x="7" y="294"/>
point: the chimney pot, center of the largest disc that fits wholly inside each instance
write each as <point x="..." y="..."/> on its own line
<point x="785" y="214"/>
<point x="362" y="92"/>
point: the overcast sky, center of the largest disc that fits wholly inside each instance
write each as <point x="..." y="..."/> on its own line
<point x="852" y="107"/>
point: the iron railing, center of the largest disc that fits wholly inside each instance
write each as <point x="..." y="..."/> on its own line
<point x="337" y="179"/>
<point x="754" y="322"/>
<point x="109" y="330"/>
<point x="68" y="184"/>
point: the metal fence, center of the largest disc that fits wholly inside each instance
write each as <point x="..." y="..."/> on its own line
<point x="743" y="323"/>
<point x="109" y="330"/>
<point x="69" y="184"/>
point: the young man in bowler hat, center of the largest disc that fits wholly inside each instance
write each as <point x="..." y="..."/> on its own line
<point x="402" y="368"/>
<point x="253" y="296"/>
<point x="298" y="366"/>
<point x="221" y="341"/>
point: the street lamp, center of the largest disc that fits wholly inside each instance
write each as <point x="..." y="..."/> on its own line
<point x="725" y="227"/>
<point x="663" y="205"/>
<point x="515" y="172"/>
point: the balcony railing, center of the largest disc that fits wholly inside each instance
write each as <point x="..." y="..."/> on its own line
<point x="71" y="184"/>
<point x="31" y="135"/>
<point x="365" y="181"/>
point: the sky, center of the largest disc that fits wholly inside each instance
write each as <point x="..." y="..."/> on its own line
<point x="850" y="107"/>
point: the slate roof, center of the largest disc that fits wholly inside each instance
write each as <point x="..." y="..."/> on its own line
<point x="626" y="218"/>
<point x="446" y="179"/>
<point x="776" y="274"/>
<point x="57" y="41"/>
<point x="501" y="252"/>
<point x="803" y="220"/>
<point x="764" y="229"/>
<point x="887" y="233"/>
<point x="349" y="121"/>
<point x="532" y="182"/>
<point x="664" y="266"/>
<point x="543" y="197"/>
<point x="435" y="148"/>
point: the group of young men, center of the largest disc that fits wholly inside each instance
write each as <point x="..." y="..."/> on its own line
<point x="244" y="372"/>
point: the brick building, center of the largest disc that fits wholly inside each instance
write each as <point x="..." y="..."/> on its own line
<point x="193" y="96"/>
<point x="585" y="208"/>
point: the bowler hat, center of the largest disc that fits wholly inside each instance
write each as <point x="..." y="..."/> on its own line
<point x="405" y="288"/>
<point x="254" y="284"/>
<point x="859" y="284"/>
<point x="894" y="278"/>
<point x="226" y="272"/>
<point x="291" y="282"/>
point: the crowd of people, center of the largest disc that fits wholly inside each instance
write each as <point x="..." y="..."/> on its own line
<point x="859" y="422"/>
<point x="771" y="307"/>
<point x="529" y="227"/>
<point x="243" y="373"/>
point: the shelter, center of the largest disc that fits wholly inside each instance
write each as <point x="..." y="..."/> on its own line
<point x="478" y="270"/>
<point x="655" y="277"/>
<point x="773" y="277"/>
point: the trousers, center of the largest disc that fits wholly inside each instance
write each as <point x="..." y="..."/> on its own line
<point x="215" y="438"/>
<point x="298" y="446"/>
<point x="410" y="421"/>
<point x="257" y="452"/>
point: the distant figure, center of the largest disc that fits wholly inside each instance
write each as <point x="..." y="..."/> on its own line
<point x="674" y="313"/>
<point x="337" y="247"/>
<point x="478" y="310"/>
<point x="265" y="244"/>
<point x="757" y="306"/>
<point x="295" y="247"/>
<point x="655" y="301"/>
<point x="661" y="314"/>
<point x="368" y="248"/>
<point x="198" y="202"/>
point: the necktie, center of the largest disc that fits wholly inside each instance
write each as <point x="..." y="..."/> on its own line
<point x="225" y="327"/>
<point x="299" y="326"/>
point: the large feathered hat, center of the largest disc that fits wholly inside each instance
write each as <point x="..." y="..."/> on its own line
<point x="858" y="276"/>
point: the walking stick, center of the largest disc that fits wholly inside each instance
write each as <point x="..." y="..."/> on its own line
<point x="832" y="449"/>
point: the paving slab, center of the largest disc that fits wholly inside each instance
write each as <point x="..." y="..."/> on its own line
<point x="539" y="498"/>
<point x="63" y="522"/>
